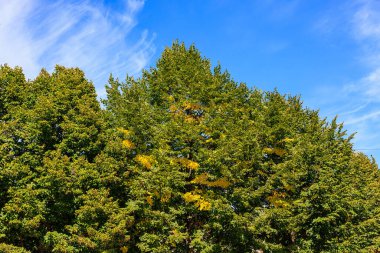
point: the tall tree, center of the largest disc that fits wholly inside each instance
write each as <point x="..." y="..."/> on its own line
<point x="227" y="168"/>
<point x="53" y="116"/>
<point x="182" y="159"/>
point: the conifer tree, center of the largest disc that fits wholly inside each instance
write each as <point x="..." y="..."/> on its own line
<point x="182" y="159"/>
<point x="227" y="168"/>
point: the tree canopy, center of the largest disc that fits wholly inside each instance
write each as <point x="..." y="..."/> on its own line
<point x="182" y="159"/>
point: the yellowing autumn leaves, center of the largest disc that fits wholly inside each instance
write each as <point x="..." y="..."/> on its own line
<point x="198" y="200"/>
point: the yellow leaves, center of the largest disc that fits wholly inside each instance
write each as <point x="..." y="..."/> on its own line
<point x="173" y="108"/>
<point x="190" y="106"/>
<point x="288" y="140"/>
<point x="165" y="197"/>
<point x="190" y="197"/>
<point x="125" y="132"/>
<point x="276" y="151"/>
<point x="186" y="106"/>
<point x="86" y="242"/>
<point x="124" y="249"/>
<point x="209" y="140"/>
<point x="203" y="179"/>
<point x="189" y="164"/>
<point x="223" y="183"/>
<point x="128" y="144"/>
<point x="189" y="112"/>
<point x="279" y="151"/>
<point x="280" y="203"/>
<point x="145" y="160"/>
<point x="189" y="119"/>
<point x="199" y="201"/>
<point x="204" y="205"/>
<point x="149" y="199"/>
<point x="277" y="199"/>
<point x="175" y="232"/>
<point x="171" y="98"/>
<point x="268" y="150"/>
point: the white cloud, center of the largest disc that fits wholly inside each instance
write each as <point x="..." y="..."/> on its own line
<point x="365" y="119"/>
<point x="367" y="88"/>
<point x="87" y="34"/>
<point x="357" y="103"/>
<point x="362" y="118"/>
<point x="13" y="35"/>
<point x="371" y="84"/>
<point x="366" y="20"/>
<point x="366" y="30"/>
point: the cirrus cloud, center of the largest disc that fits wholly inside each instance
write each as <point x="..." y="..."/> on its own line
<point x="86" y="34"/>
<point x="358" y="102"/>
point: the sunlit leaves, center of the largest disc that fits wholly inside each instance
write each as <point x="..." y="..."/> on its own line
<point x="128" y="144"/>
<point x="202" y="179"/>
<point x="189" y="164"/>
<point x="12" y="249"/>
<point x="145" y="160"/>
<point x="149" y="199"/>
<point x="198" y="200"/>
<point x="182" y="159"/>
<point x="277" y="199"/>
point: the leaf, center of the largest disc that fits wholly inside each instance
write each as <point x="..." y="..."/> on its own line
<point x="128" y="144"/>
<point x="145" y="160"/>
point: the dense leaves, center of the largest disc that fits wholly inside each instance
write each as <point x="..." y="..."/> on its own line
<point x="183" y="159"/>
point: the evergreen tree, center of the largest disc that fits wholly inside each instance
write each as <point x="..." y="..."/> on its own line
<point x="183" y="159"/>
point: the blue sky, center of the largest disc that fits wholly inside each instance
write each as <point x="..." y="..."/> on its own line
<point x="326" y="51"/>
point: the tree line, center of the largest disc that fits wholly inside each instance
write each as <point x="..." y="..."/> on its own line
<point x="182" y="159"/>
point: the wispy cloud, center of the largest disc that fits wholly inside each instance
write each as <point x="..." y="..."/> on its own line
<point x="359" y="104"/>
<point x="366" y="30"/>
<point x="368" y="87"/>
<point x="366" y="20"/>
<point x="279" y="10"/>
<point x="87" y="34"/>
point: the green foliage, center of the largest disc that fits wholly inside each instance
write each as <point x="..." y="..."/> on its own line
<point x="183" y="159"/>
<point x="6" y="248"/>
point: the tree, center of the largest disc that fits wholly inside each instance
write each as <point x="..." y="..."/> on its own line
<point x="227" y="168"/>
<point x="182" y="159"/>
<point x="53" y="117"/>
